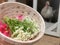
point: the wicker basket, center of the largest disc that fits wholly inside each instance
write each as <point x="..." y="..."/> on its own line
<point x="11" y="9"/>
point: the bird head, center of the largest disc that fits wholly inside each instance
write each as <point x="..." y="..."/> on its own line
<point x="47" y="4"/>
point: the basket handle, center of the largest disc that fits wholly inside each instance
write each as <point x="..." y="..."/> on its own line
<point x="11" y="1"/>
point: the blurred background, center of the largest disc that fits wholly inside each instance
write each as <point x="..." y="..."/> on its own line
<point x="49" y="10"/>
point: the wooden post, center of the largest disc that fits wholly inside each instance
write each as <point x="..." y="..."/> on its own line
<point x="35" y="4"/>
<point x="58" y="26"/>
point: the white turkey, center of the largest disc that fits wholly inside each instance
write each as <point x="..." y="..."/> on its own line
<point x="47" y="11"/>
